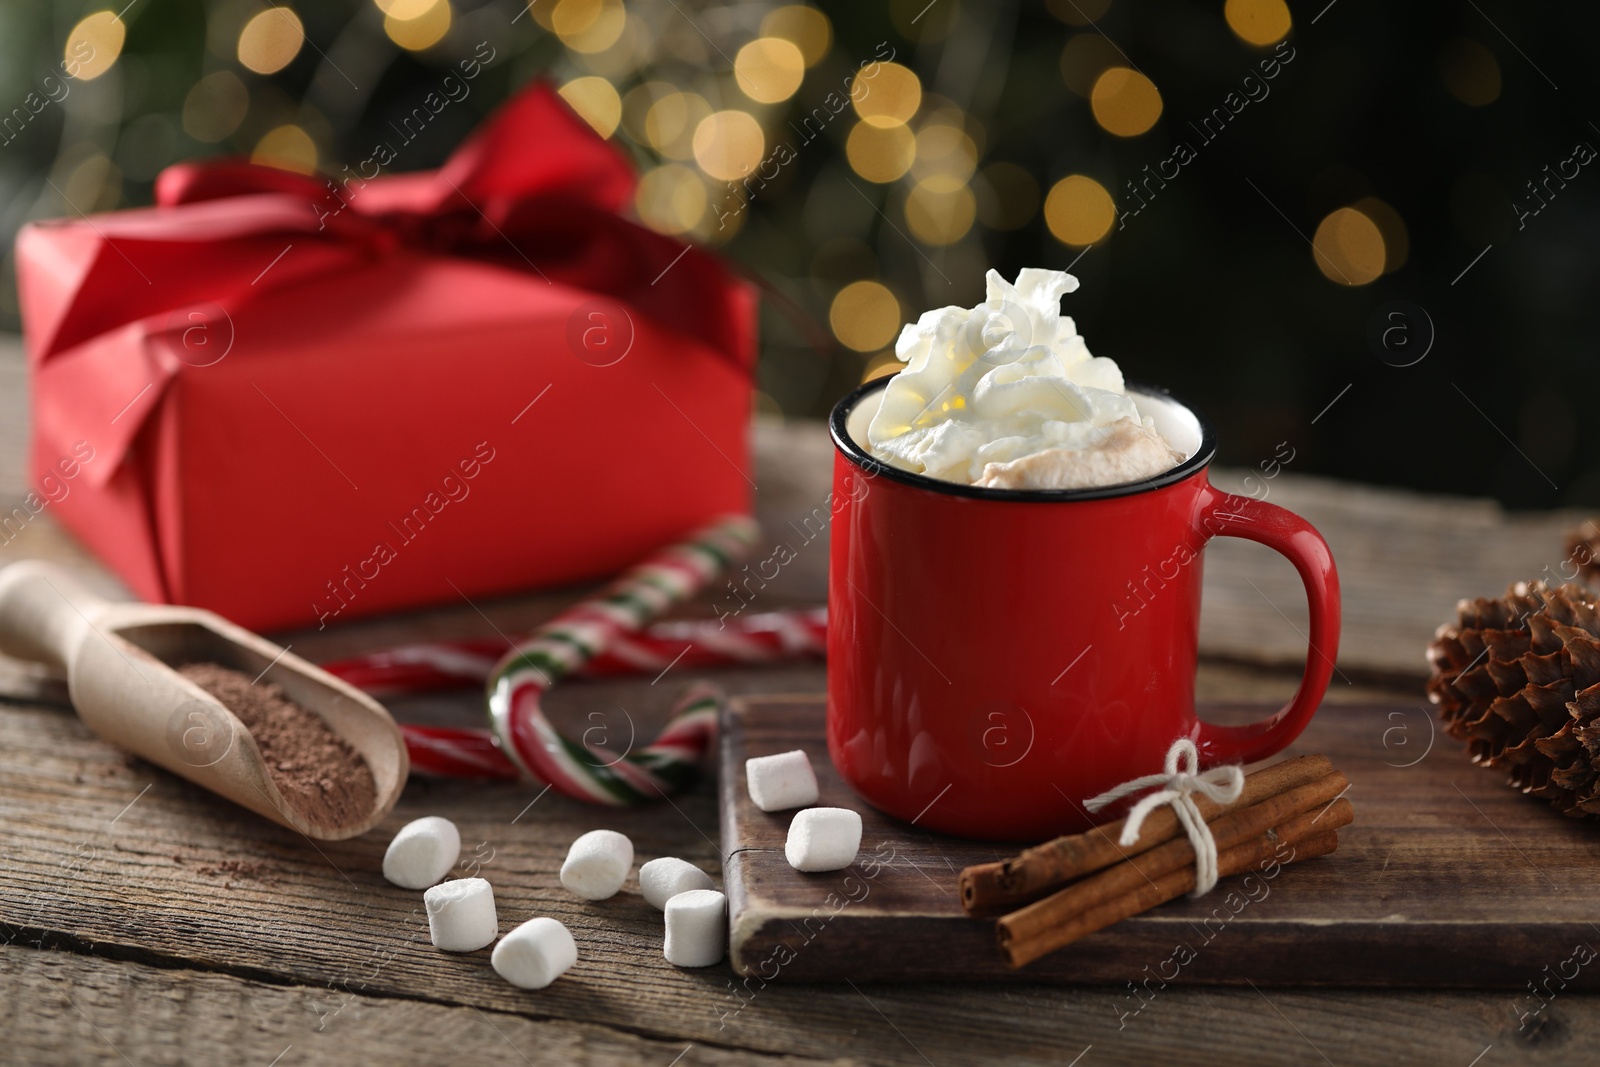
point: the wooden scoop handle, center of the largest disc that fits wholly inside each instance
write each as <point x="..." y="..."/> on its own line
<point x="44" y="612"/>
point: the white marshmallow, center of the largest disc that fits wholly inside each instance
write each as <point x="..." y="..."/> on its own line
<point x="461" y="915"/>
<point x="422" y="852"/>
<point x="661" y="880"/>
<point x="782" y="781"/>
<point x="597" y="864"/>
<point x="535" y="953"/>
<point x="823" y="839"/>
<point x="697" y="928"/>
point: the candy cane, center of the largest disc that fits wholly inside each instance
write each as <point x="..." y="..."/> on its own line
<point x="522" y="743"/>
<point x="769" y="637"/>
<point x="563" y="645"/>
<point x="599" y="636"/>
<point x="456" y="752"/>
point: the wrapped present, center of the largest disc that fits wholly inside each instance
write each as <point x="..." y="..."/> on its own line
<point x="308" y="399"/>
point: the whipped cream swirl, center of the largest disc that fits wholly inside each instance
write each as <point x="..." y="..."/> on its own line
<point x="1007" y="395"/>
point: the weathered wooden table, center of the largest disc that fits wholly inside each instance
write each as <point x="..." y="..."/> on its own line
<point x="141" y="921"/>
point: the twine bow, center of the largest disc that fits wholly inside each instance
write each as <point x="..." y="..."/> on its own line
<point x="1221" y="784"/>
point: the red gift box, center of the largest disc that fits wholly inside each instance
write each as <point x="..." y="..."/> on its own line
<point x="307" y="400"/>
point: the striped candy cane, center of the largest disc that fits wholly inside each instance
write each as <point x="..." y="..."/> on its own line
<point x="456" y="752"/>
<point x="522" y="743"/>
<point x="561" y="646"/>
<point x="600" y="636"/>
<point x="768" y="637"/>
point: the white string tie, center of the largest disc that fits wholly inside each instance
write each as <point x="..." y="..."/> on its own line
<point x="1177" y="787"/>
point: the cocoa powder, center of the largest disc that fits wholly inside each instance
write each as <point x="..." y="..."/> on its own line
<point x="316" y="770"/>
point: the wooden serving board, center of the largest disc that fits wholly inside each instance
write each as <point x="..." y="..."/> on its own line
<point x="1447" y="878"/>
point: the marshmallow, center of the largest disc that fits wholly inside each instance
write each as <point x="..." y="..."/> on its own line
<point x="597" y="864"/>
<point x="697" y="928"/>
<point x="661" y="880"/>
<point x="534" y="954"/>
<point x="422" y="852"/>
<point x="461" y="915"/>
<point x="782" y="781"/>
<point x="823" y="839"/>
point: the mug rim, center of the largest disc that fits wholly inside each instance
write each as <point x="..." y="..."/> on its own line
<point x="838" y="428"/>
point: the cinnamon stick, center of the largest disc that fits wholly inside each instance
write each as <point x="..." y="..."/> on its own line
<point x="1060" y="919"/>
<point x="1234" y="828"/>
<point x="992" y="888"/>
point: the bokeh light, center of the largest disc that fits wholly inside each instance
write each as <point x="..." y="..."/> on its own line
<point x="929" y="142"/>
<point x="636" y="105"/>
<point x="865" y="316"/>
<point x="805" y="27"/>
<point x="724" y="217"/>
<point x="1348" y="247"/>
<point x="403" y="9"/>
<point x="287" y="147"/>
<point x="939" y="212"/>
<point x="881" y="366"/>
<point x="765" y="405"/>
<point x="1470" y="72"/>
<point x="99" y="37"/>
<point x="215" y="106"/>
<point x="621" y="60"/>
<point x="1396" y="241"/>
<point x="271" y="40"/>
<point x="684" y="41"/>
<point x="94" y="184"/>
<point x="1258" y="22"/>
<point x="671" y="199"/>
<point x="671" y="122"/>
<point x="1079" y="211"/>
<point x="1125" y="102"/>
<point x="1084" y="58"/>
<point x="728" y="144"/>
<point x="880" y="153"/>
<point x="571" y="17"/>
<point x="589" y="26"/>
<point x="596" y="100"/>
<point x="423" y="30"/>
<point x="769" y="69"/>
<point x="886" y="94"/>
<point x="944" y="153"/>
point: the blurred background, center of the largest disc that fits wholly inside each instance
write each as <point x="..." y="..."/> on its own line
<point x="1368" y="231"/>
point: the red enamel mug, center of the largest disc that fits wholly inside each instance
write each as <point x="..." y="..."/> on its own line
<point x="996" y="656"/>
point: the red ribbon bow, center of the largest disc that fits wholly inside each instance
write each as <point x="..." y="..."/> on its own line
<point x="534" y="189"/>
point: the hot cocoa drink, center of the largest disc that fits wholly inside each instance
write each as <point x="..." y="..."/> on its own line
<point x="1006" y="395"/>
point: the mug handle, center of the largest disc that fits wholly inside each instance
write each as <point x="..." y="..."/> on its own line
<point x="1295" y="538"/>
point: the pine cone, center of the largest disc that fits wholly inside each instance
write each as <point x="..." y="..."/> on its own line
<point x="1518" y="679"/>
<point x="1583" y="551"/>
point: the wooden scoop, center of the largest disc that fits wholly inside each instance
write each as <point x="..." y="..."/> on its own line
<point x="119" y="660"/>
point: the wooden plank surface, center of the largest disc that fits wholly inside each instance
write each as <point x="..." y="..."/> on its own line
<point x="1447" y="878"/>
<point x="84" y="1009"/>
<point x="67" y="1008"/>
<point x="98" y="866"/>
